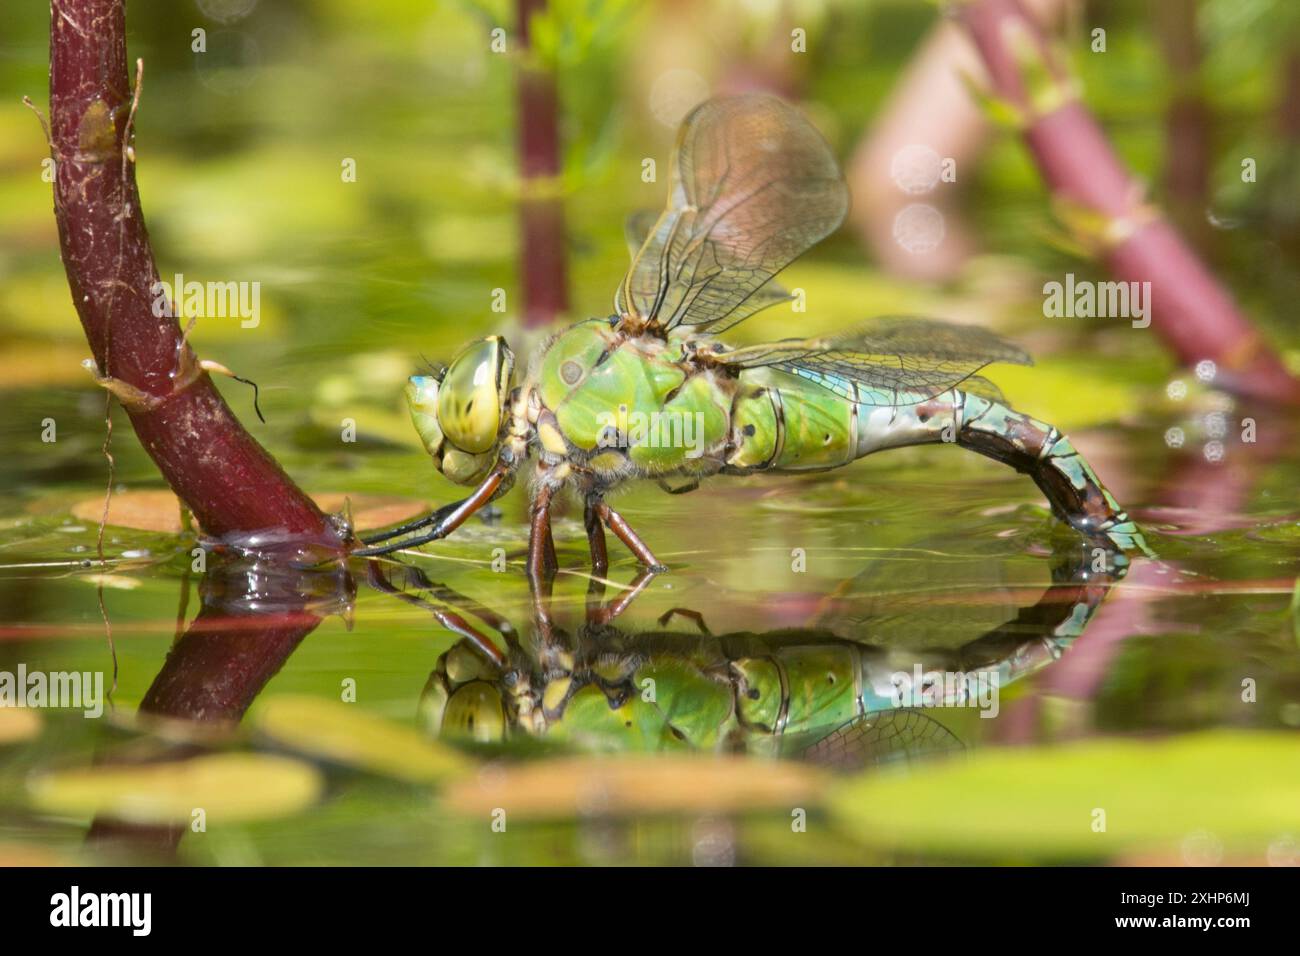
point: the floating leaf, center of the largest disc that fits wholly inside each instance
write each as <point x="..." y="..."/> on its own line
<point x="345" y="734"/>
<point x="18" y="723"/>
<point x="143" y="510"/>
<point x="118" y="582"/>
<point x="1242" y="788"/>
<point x="371" y="511"/>
<point x="635" y="784"/>
<point x="227" y="787"/>
<point x="28" y="854"/>
<point x="43" y="364"/>
<point x="160" y="511"/>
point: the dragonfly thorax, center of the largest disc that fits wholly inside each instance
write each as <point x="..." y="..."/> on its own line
<point x="619" y="405"/>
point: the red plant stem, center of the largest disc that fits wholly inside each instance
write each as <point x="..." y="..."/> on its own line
<point x="1195" y="316"/>
<point x="1289" y="109"/>
<point x="542" y="251"/>
<point x="229" y="482"/>
<point x="212" y="675"/>
<point x="1189" y="121"/>
<point x="223" y="662"/>
<point x="254" y="615"/>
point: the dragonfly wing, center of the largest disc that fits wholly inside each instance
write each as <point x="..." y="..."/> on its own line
<point x="637" y="229"/>
<point x="892" y="736"/>
<point x="981" y="386"/>
<point x="639" y="226"/>
<point x="891" y="361"/>
<point x="753" y="185"/>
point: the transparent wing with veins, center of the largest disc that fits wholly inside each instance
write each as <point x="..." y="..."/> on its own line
<point x="892" y="360"/>
<point x="904" y="735"/>
<point x="753" y="185"/>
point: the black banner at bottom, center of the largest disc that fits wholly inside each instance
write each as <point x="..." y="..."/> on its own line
<point x="335" y="905"/>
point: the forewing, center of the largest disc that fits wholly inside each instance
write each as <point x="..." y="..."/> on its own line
<point x="753" y="185"/>
<point x="637" y="229"/>
<point x="905" y="735"/>
<point x="891" y="361"/>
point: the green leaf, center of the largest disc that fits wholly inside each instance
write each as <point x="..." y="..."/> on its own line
<point x="227" y="787"/>
<point x="345" y="734"/>
<point x="1243" y="789"/>
<point x="18" y="724"/>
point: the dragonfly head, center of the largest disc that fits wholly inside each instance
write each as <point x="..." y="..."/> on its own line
<point x="459" y="413"/>
<point x="463" y="698"/>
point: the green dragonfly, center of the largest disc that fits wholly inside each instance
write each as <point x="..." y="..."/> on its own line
<point x="807" y="692"/>
<point x="650" y="392"/>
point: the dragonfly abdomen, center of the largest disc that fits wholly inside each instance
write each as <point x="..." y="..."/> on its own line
<point x="1035" y="448"/>
<point x="782" y="422"/>
<point x="786" y="423"/>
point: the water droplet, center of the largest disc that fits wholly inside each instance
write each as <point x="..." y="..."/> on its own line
<point x="1202" y="848"/>
<point x="714" y="843"/>
<point x="226" y="11"/>
<point x="916" y="169"/>
<point x="1174" y="437"/>
<point x="1214" y="451"/>
<point x="1206" y="370"/>
<point x="919" y="228"/>
<point x="1221" y="222"/>
<point x="231" y="64"/>
<point x="1284" y="851"/>
<point x="1177" y="390"/>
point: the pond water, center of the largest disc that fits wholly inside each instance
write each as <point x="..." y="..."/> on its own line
<point x="814" y="593"/>
<point x="451" y="715"/>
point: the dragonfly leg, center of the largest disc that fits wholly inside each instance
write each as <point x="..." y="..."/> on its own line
<point x="692" y="485"/>
<point x="542" y="563"/>
<point x="623" y="531"/>
<point x="595" y="536"/>
<point x="687" y="613"/>
<point x="447" y="618"/>
<point x="422" y="522"/>
<point x="445" y="520"/>
<point x="600" y="614"/>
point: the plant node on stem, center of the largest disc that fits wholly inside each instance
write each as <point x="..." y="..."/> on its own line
<point x="1191" y="311"/>
<point x="234" y="488"/>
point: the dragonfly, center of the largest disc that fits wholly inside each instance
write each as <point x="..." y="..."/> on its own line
<point x="653" y="392"/>
<point x="807" y="692"/>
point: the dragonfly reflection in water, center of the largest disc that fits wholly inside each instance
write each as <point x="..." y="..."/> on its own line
<point x="649" y="392"/>
<point x="813" y="693"/>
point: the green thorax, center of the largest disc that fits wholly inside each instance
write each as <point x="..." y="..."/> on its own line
<point x="634" y="399"/>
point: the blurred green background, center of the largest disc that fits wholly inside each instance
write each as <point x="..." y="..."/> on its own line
<point x="240" y="150"/>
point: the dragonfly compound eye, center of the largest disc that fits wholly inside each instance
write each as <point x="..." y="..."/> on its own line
<point x="423" y="393"/>
<point x="422" y="400"/>
<point x="476" y="712"/>
<point x="472" y="396"/>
